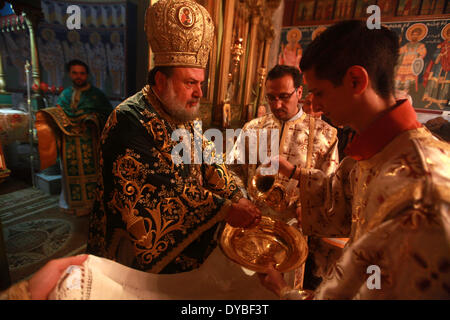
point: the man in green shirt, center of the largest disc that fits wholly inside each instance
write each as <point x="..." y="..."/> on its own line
<point x="71" y="131"/>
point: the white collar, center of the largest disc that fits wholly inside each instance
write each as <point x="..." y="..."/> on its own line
<point x="298" y="115"/>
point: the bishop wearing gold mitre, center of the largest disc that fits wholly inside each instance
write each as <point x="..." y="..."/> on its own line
<point x="153" y="212"/>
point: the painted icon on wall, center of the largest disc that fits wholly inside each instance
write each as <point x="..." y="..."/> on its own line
<point x="437" y="74"/>
<point x="291" y="52"/>
<point x="410" y="54"/>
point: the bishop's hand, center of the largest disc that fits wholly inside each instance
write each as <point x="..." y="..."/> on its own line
<point x="243" y="214"/>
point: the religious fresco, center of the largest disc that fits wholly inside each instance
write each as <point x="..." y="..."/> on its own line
<point x="424" y="64"/>
<point x="423" y="70"/>
<point x="291" y="51"/>
<point x="305" y="11"/>
<point x="101" y="43"/>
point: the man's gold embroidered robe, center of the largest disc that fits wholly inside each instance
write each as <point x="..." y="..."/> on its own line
<point x="318" y="150"/>
<point x="295" y="145"/>
<point x="151" y="213"/>
<point x="395" y="209"/>
<point x="71" y="131"/>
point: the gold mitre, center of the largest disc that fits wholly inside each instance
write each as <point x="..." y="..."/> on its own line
<point x="180" y="33"/>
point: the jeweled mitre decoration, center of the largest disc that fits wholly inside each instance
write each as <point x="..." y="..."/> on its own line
<point x="180" y="33"/>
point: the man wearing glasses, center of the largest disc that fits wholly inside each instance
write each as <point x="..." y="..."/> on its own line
<point x="306" y="141"/>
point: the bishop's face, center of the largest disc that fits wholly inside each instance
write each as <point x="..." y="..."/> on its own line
<point x="182" y="93"/>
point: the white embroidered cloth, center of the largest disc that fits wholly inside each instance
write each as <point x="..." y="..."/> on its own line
<point x="102" y="279"/>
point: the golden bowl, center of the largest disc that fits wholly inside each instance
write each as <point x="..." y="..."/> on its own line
<point x="272" y="242"/>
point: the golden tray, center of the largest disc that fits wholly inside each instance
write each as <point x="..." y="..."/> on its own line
<point x="272" y="242"/>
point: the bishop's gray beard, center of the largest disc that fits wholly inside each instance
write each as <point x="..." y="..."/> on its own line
<point x="176" y="108"/>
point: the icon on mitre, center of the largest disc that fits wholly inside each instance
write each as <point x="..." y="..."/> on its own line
<point x="186" y="17"/>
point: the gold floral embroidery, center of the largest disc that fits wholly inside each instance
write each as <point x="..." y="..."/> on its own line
<point x="166" y="218"/>
<point x="375" y="257"/>
<point x="407" y="165"/>
<point x="415" y="218"/>
<point x="110" y="123"/>
<point x="131" y="174"/>
<point x="157" y="129"/>
<point x="160" y="207"/>
<point x="195" y="197"/>
<point x="150" y="234"/>
<point x="220" y="180"/>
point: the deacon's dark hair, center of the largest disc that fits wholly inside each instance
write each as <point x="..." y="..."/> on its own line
<point x="167" y="71"/>
<point x="350" y="43"/>
<point x="76" y="62"/>
<point x="280" y="71"/>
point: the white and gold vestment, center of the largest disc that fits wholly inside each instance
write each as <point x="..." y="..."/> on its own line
<point x="295" y="145"/>
<point x="394" y="206"/>
<point x="318" y="150"/>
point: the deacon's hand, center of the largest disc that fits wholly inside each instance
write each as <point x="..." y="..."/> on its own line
<point x="273" y="280"/>
<point x="243" y="214"/>
<point x="284" y="166"/>
<point x="43" y="281"/>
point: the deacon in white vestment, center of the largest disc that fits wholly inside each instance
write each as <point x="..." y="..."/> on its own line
<point x="305" y="140"/>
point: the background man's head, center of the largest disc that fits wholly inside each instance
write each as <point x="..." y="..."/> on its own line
<point x="308" y="106"/>
<point x="283" y="91"/>
<point x="345" y="51"/>
<point x="78" y="72"/>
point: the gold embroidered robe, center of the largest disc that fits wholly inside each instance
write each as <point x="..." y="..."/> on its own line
<point x="71" y="131"/>
<point x="150" y="213"/>
<point x="395" y="209"/>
